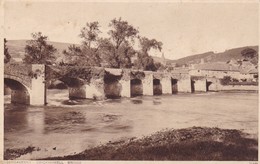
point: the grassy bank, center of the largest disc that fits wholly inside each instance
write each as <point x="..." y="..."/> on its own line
<point x="194" y="143"/>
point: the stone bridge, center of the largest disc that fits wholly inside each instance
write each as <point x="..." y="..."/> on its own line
<point x="28" y="83"/>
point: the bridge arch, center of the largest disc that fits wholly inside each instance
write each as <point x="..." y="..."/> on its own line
<point x="136" y="87"/>
<point x="157" y="87"/>
<point x="174" y="84"/>
<point x="20" y="92"/>
<point x="27" y="83"/>
<point x="112" y="86"/>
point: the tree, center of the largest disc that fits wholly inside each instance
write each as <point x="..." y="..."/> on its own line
<point x="87" y="54"/>
<point x="81" y="56"/>
<point x="116" y="58"/>
<point x="249" y="53"/>
<point x="159" y="66"/>
<point x="118" y="49"/>
<point x="72" y="55"/>
<point x="90" y="34"/>
<point x="226" y="80"/>
<point x="145" y="61"/>
<point x="37" y="51"/>
<point x="6" y="52"/>
<point x="148" y="44"/>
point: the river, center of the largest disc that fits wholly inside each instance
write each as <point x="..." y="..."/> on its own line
<point x="67" y="127"/>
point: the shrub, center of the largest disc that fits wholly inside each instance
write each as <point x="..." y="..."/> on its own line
<point x="226" y="80"/>
<point x="235" y="80"/>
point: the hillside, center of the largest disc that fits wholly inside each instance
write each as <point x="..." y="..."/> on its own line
<point x="159" y="59"/>
<point x="16" y="48"/>
<point x="213" y="57"/>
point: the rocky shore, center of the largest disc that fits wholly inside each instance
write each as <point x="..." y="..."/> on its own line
<point x="195" y="143"/>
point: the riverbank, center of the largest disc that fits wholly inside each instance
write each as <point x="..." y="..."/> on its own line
<point x="194" y="143"/>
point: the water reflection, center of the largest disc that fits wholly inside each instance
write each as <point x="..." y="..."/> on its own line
<point x="157" y="101"/>
<point x="56" y="121"/>
<point x="36" y="121"/>
<point x="15" y="118"/>
<point x="77" y="102"/>
<point x="137" y="101"/>
<point x="112" y="101"/>
<point x="110" y="117"/>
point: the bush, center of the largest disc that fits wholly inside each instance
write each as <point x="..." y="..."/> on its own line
<point x="226" y="80"/>
<point x="235" y="80"/>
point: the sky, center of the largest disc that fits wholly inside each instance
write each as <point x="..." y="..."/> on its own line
<point x="183" y="28"/>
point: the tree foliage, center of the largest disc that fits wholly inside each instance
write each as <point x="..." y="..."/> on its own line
<point x="116" y="57"/>
<point x="226" y="80"/>
<point x="38" y="51"/>
<point x="89" y="34"/>
<point x="148" y="44"/>
<point x="249" y="53"/>
<point x="88" y="53"/>
<point x="121" y="32"/>
<point x="118" y="48"/>
<point x="144" y="60"/>
<point x="7" y="57"/>
<point x="114" y="51"/>
<point x="73" y="54"/>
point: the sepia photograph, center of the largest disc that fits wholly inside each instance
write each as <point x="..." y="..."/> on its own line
<point x="130" y="81"/>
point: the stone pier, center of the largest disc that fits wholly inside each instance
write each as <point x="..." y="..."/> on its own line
<point x="78" y="92"/>
<point x="166" y="85"/>
<point x="95" y="89"/>
<point x="148" y="84"/>
<point x="38" y="90"/>
<point x="184" y="85"/>
<point x="125" y="82"/>
<point x="126" y="91"/>
<point x="199" y="84"/>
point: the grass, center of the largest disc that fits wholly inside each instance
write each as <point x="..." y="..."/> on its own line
<point x="194" y="143"/>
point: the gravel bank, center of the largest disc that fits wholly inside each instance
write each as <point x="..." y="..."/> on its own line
<point x="194" y="143"/>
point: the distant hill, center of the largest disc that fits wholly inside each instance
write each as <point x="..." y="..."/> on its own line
<point x="209" y="57"/>
<point x="16" y="48"/>
<point x="159" y="59"/>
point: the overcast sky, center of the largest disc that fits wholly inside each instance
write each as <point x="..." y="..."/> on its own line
<point x="184" y="28"/>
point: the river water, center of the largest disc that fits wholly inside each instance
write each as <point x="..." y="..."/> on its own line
<point x="67" y="127"/>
